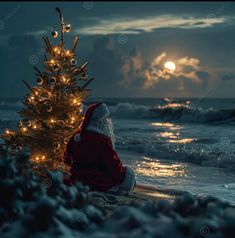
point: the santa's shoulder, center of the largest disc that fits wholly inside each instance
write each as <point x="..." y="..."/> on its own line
<point x="97" y="136"/>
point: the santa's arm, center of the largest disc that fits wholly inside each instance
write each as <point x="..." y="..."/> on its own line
<point x="111" y="162"/>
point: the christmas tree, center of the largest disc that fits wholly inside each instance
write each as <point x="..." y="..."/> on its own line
<point x="52" y="109"/>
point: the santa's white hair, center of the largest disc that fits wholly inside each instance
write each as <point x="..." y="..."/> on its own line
<point x="103" y="126"/>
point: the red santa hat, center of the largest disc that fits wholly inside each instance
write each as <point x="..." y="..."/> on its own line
<point x="94" y="112"/>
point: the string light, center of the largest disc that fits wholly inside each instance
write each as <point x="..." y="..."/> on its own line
<point x="60" y="71"/>
<point x="24" y="129"/>
<point x="72" y="120"/>
<point x="65" y="80"/>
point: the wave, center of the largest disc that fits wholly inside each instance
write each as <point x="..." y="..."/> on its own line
<point x="171" y="111"/>
<point x="204" y="155"/>
<point x="183" y="112"/>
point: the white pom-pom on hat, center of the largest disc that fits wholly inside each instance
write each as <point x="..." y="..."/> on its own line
<point x="100" y="111"/>
<point x="77" y="137"/>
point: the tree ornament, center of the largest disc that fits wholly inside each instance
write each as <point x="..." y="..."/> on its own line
<point x="28" y="100"/>
<point x="55" y="66"/>
<point x="20" y="123"/>
<point x="49" y="108"/>
<point x="54" y="34"/>
<point x="65" y="140"/>
<point x="67" y="28"/>
<point x="73" y="62"/>
<point x="40" y="81"/>
<point x="29" y="123"/>
<point x="13" y="148"/>
<point x="52" y="80"/>
<point x="57" y="146"/>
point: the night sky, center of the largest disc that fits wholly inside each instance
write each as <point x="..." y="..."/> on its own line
<point x="127" y="45"/>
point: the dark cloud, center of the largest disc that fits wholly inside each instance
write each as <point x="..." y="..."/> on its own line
<point x="17" y="65"/>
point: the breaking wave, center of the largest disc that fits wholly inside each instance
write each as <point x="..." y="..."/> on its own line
<point x="184" y="112"/>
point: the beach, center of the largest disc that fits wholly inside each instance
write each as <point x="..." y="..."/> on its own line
<point x="188" y="178"/>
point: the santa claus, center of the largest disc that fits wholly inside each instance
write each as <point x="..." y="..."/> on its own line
<point x="92" y="158"/>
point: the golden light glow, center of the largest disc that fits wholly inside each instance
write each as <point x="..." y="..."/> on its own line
<point x="171" y="126"/>
<point x="24" y="129"/>
<point x="170" y="66"/>
<point x="52" y="61"/>
<point x="37" y="158"/>
<point x="43" y="157"/>
<point x="52" y="120"/>
<point x="7" y="131"/>
<point x="169" y="135"/>
<point x="171" y="105"/>
<point x="156" y="168"/>
<point x="67" y="52"/>
<point x="182" y="141"/>
<point x="34" y="127"/>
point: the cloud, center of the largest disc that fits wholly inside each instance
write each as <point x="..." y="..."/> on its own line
<point x="148" y="24"/>
<point x="131" y="68"/>
<point x="187" y="69"/>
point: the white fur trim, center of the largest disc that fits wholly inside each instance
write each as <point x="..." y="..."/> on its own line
<point x="77" y="137"/>
<point x="100" y="111"/>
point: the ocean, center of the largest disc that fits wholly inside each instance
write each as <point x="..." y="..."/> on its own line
<point x="179" y="144"/>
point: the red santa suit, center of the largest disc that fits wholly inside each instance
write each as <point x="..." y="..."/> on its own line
<point x="92" y="158"/>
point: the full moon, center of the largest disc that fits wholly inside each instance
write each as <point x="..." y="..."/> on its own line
<point x="170" y="65"/>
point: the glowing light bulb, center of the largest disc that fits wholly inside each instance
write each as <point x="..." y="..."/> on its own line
<point x="52" y="120"/>
<point x="55" y="49"/>
<point x="34" y="127"/>
<point x="43" y="157"/>
<point x="36" y="92"/>
<point x="32" y="97"/>
<point x="37" y="158"/>
<point x="67" y="52"/>
<point x="52" y="61"/>
<point x="7" y="131"/>
<point x="24" y="129"/>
